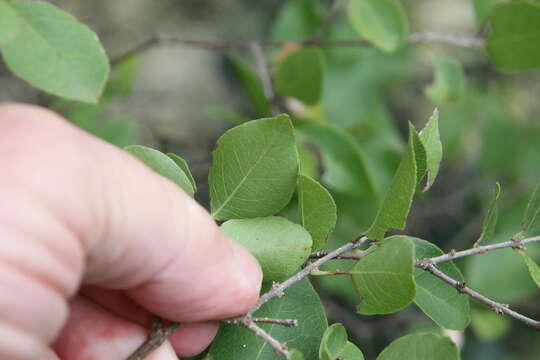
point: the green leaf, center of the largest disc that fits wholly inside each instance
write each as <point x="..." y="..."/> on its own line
<point x="56" y="53"/>
<point x="300" y="75"/>
<point x="384" y="279"/>
<point x="296" y="355"/>
<point x="254" y="169"/>
<point x="297" y="20"/>
<point x="488" y="325"/>
<point x="398" y="200"/>
<point x="253" y="85"/>
<point x="300" y="302"/>
<point x="10" y="23"/>
<point x="163" y="165"/>
<point x="515" y="34"/>
<point x="335" y="345"/>
<point x="309" y="164"/>
<point x="482" y="9"/>
<point x="449" y="83"/>
<point x="534" y="270"/>
<point x="345" y="167"/>
<point x="532" y="211"/>
<point x="422" y="346"/>
<point x="182" y="164"/>
<point x="438" y="300"/>
<point x="432" y="142"/>
<point x="122" y="80"/>
<point x="317" y="210"/>
<point x="490" y="220"/>
<point x="279" y="245"/>
<point x="382" y="22"/>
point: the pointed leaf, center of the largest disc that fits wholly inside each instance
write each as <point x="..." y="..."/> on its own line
<point x="300" y="75"/>
<point x="345" y="167"/>
<point x="182" y="164"/>
<point x="532" y="211"/>
<point x="398" y="200"/>
<point x="432" y="142"/>
<point x="382" y="22"/>
<point x="317" y="210"/>
<point x="534" y="270"/>
<point x="423" y="346"/>
<point x="449" y="83"/>
<point x="514" y="36"/>
<point x="490" y="220"/>
<point x="163" y="165"/>
<point x="438" y="300"/>
<point x="253" y="85"/>
<point x="254" y="169"/>
<point x="279" y="245"/>
<point x="300" y="302"/>
<point x="335" y="345"/>
<point x="72" y="62"/>
<point x="384" y="279"/>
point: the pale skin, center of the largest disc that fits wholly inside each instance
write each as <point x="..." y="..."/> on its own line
<point x="93" y="243"/>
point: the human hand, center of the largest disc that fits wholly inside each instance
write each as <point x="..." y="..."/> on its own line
<point x="93" y="243"/>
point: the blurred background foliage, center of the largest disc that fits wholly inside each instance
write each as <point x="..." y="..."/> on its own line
<point x="180" y="99"/>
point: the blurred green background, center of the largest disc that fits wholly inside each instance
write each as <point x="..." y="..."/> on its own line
<point x="180" y="99"/>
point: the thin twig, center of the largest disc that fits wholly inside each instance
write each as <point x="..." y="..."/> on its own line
<point x="226" y="45"/>
<point x="156" y="338"/>
<point x="279" y="348"/>
<point x="350" y="256"/>
<point x="499" y="308"/>
<point x="452" y="255"/>
<point x="283" y="322"/>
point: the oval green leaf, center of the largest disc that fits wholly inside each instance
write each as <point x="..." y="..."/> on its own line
<point x="300" y="75"/>
<point x="182" y="164"/>
<point x="384" y="279"/>
<point x="300" y="302"/>
<point x="254" y="169"/>
<point x="163" y="165"/>
<point x="382" y="22"/>
<point x="56" y="53"/>
<point x="438" y="300"/>
<point x="279" y="245"/>
<point x="423" y="346"/>
<point x="335" y="345"/>
<point x="317" y="210"/>
<point x="515" y="34"/>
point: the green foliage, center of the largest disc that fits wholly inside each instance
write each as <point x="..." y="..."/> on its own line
<point x="344" y="165"/>
<point x="482" y="10"/>
<point x="382" y="22"/>
<point x="488" y="325"/>
<point x="317" y="210"/>
<point x="449" y="83"/>
<point x="534" y="270"/>
<point x="398" y="200"/>
<point x="335" y="345"/>
<point x="515" y="33"/>
<point x="438" y="300"/>
<point x="9" y="23"/>
<point x="72" y="62"/>
<point x="297" y="20"/>
<point x="532" y="211"/>
<point x="300" y="75"/>
<point x="253" y="85"/>
<point x="163" y="165"/>
<point x="296" y="355"/>
<point x="490" y="220"/>
<point x="254" y="169"/>
<point x="384" y="279"/>
<point x="423" y="346"/>
<point x="432" y="142"/>
<point x="182" y="164"/>
<point x="301" y="303"/>
<point x="279" y="245"/>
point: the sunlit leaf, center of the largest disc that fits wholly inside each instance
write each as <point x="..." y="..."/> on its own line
<point x="254" y="169"/>
<point x="54" y="52"/>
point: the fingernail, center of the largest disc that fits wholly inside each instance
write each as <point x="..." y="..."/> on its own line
<point x="164" y="352"/>
<point x="249" y="266"/>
